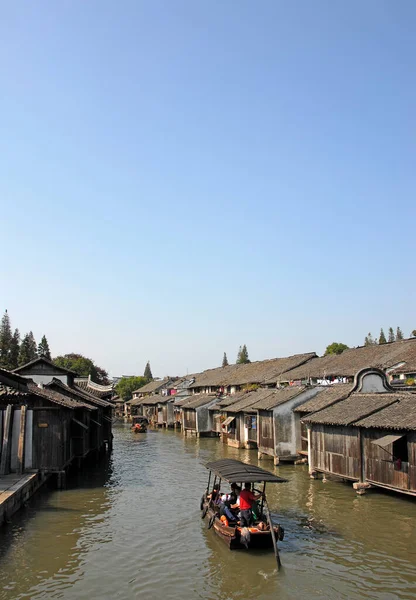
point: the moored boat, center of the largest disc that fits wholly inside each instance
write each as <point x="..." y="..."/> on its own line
<point x="139" y="424"/>
<point x="261" y="532"/>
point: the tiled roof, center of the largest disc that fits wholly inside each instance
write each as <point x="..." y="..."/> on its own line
<point x="261" y="372"/>
<point x="347" y="364"/>
<point x="42" y="359"/>
<point x="400" y="415"/>
<point x="93" y="388"/>
<point x="79" y="394"/>
<point x="325" y="397"/>
<point x="57" y="398"/>
<point x="278" y="397"/>
<point x="153" y="386"/>
<point x="198" y="400"/>
<point x="354" y="408"/>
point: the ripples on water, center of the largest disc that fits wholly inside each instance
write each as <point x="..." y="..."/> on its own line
<point x="132" y="529"/>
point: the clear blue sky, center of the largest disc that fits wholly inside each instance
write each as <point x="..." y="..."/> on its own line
<point x="178" y="178"/>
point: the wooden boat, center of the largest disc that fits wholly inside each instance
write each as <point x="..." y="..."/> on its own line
<point x="263" y="533"/>
<point x="139" y="424"/>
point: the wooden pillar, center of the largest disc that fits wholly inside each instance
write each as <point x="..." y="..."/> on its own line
<point x="312" y="472"/>
<point x="7" y="441"/>
<point x="362" y="458"/>
<point x="21" y="446"/>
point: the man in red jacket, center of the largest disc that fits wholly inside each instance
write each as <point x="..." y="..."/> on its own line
<point x="247" y="498"/>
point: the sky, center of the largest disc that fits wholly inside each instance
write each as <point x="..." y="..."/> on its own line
<point x="179" y="178"/>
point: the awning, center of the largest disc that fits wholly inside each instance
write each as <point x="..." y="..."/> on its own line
<point x="228" y="421"/>
<point x="235" y="470"/>
<point x="386" y="440"/>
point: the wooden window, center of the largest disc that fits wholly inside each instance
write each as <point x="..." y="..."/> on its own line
<point x="400" y="449"/>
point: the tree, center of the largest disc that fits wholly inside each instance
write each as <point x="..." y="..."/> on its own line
<point x="43" y="348"/>
<point x="242" y="357"/>
<point x="382" y="338"/>
<point x="148" y="372"/>
<point x="14" y="349"/>
<point x="414" y="333"/>
<point x="26" y="350"/>
<point x="127" y="385"/>
<point x="399" y="334"/>
<point x="391" y="335"/>
<point x="5" y="341"/>
<point x="83" y="367"/>
<point x="33" y="347"/>
<point x="225" y="360"/>
<point x="369" y="340"/>
<point x="335" y="348"/>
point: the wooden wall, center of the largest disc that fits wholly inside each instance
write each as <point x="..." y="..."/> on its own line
<point x="265" y="433"/>
<point x="189" y="418"/>
<point x="380" y="467"/>
<point x="336" y="450"/>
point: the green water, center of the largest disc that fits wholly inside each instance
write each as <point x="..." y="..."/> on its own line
<point x="131" y="528"/>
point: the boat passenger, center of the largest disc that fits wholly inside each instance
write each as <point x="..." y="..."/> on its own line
<point x="247" y="498"/>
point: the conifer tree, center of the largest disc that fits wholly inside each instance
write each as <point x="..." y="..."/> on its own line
<point x="14" y="350"/>
<point x="369" y="340"/>
<point x="382" y="338"/>
<point x="225" y="360"/>
<point x="238" y="361"/>
<point x="43" y="348"/>
<point x="391" y="335"/>
<point x="148" y="372"/>
<point x="24" y="351"/>
<point x="33" y="346"/>
<point x="399" y="334"/>
<point x="5" y="341"/>
<point x="243" y="356"/>
<point x="28" y="349"/>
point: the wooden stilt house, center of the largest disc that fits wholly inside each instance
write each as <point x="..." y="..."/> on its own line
<point x="368" y="438"/>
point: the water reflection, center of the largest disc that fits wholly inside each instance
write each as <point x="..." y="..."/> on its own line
<point x="131" y="528"/>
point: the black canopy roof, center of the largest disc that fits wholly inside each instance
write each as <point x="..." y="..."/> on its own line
<point x="235" y="470"/>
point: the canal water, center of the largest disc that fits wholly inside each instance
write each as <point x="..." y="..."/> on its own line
<point x="131" y="528"/>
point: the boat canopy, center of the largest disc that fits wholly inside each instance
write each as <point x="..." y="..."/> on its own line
<point x="237" y="471"/>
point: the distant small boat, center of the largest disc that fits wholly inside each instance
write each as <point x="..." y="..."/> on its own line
<point x="263" y="533"/>
<point x="139" y="424"/>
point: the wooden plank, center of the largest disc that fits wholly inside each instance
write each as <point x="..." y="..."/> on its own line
<point x="21" y="446"/>
<point x="80" y="424"/>
<point x="7" y="441"/>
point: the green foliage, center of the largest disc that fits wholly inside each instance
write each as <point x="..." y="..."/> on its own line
<point x="382" y="338"/>
<point x="148" y="372"/>
<point x="242" y="357"/>
<point x="225" y="360"/>
<point x="414" y="333"/>
<point x="392" y="337"/>
<point x="335" y="348"/>
<point x="399" y="334"/>
<point x="43" y="348"/>
<point x="28" y="349"/>
<point x="369" y="340"/>
<point x="250" y="387"/>
<point x="5" y="341"/>
<point x="14" y="349"/>
<point x="83" y="367"/>
<point x="127" y="385"/>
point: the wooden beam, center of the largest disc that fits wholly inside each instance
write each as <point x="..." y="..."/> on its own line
<point x="7" y="441"/>
<point x="21" y="445"/>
